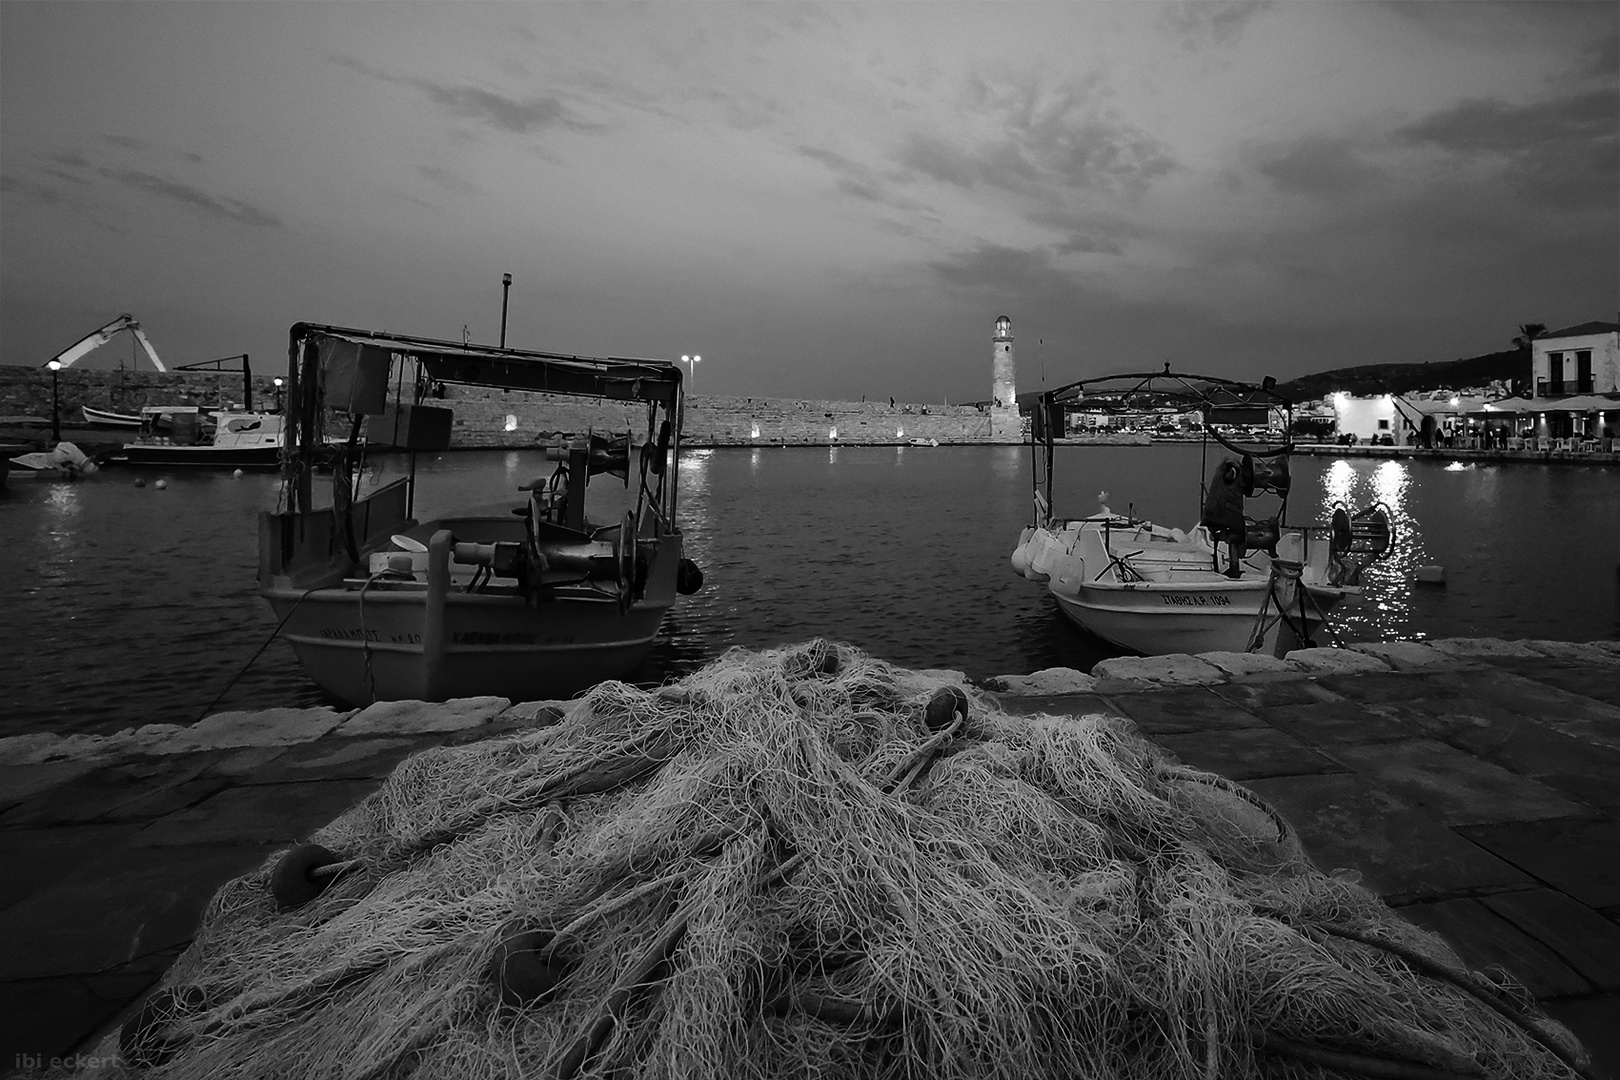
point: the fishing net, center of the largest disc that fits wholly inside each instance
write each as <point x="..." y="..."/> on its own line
<point x="808" y="863"/>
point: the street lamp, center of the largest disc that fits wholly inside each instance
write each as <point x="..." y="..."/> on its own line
<point x="693" y="362"/>
<point x="506" y="287"/>
<point x="278" y="392"/>
<point x="56" y="403"/>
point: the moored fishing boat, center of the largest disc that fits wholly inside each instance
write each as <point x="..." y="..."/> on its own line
<point x="189" y="435"/>
<point x="531" y="599"/>
<point x="104" y="418"/>
<point x="1232" y="582"/>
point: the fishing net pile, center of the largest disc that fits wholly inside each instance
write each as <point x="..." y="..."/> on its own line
<point x="808" y="863"/>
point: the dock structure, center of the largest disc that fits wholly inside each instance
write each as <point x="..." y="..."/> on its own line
<point x="1474" y="784"/>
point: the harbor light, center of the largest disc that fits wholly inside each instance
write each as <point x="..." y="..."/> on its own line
<point x="56" y="402"/>
<point x="692" y="361"/>
<point x="506" y="288"/>
<point x="277" y="381"/>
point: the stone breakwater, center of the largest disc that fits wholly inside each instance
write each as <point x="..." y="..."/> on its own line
<point x="1474" y="784"/>
<point x="490" y="419"/>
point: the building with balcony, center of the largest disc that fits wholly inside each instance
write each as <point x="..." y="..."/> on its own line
<point x="1582" y="359"/>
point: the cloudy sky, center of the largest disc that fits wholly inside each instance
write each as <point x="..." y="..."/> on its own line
<point x="822" y="200"/>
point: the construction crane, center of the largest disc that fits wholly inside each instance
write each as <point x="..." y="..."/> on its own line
<point x="97" y="338"/>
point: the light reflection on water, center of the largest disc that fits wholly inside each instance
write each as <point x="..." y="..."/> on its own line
<point x="127" y="606"/>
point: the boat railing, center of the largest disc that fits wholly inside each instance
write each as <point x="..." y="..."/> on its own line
<point x="317" y="548"/>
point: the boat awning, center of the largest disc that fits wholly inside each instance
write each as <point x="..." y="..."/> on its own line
<point x="619" y="378"/>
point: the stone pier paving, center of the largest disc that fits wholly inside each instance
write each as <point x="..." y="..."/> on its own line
<point x="1473" y="783"/>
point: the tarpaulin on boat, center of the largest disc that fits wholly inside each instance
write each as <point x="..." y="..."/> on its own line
<point x="617" y="378"/>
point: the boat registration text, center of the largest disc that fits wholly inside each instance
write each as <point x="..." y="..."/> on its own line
<point x="1196" y="600"/>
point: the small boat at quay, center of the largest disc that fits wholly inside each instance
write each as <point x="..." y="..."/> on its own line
<point x="1153" y="589"/>
<point x="103" y="418"/>
<point x="534" y="598"/>
<point x="192" y="436"/>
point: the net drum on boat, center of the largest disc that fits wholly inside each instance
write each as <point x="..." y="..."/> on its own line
<point x="806" y="862"/>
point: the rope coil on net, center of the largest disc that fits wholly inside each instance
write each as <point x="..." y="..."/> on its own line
<point x="806" y="862"/>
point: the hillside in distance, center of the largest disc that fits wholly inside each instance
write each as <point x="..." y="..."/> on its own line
<point x="1511" y="367"/>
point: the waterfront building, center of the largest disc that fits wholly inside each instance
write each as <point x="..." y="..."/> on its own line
<point x="1577" y="360"/>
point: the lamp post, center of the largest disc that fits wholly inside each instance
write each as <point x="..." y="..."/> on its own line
<point x="506" y="287"/>
<point x="56" y="403"/>
<point x="692" y="361"/>
<point x="278" y="393"/>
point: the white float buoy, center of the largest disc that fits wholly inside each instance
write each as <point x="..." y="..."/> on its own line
<point x="161" y="484"/>
<point x="237" y="475"/>
<point x="1432" y="575"/>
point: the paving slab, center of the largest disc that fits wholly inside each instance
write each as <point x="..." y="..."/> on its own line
<point x="1047" y="681"/>
<point x="541" y="713"/>
<point x="423" y="717"/>
<point x="1579" y="769"/>
<point x="258" y="814"/>
<point x="1246" y="753"/>
<point x="258" y="727"/>
<point x="1407" y="655"/>
<point x="1484" y="648"/>
<point x="1256" y="666"/>
<point x="131" y="903"/>
<point x="133" y="789"/>
<point x="19" y="782"/>
<point x="1575" y="856"/>
<point x="1325" y="661"/>
<point x="1584" y="717"/>
<point x="1379" y="686"/>
<point x="1576" y="652"/>
<point x="1183" y="710"/>
<point x="1335" y="723"/>
<point x="1452" y="786"/>
<point x="1583" y="939"/>
<point x="36" y="858"/>
<point x="47" y="1018"/>
<point x="1483" y="939"/>
<point x="1601" y="683"/>
<point x="358" y="758"/>
<point x="1177" y="669"/>
<point x="1402" y="854"/>
<point x="1253" y="695"/>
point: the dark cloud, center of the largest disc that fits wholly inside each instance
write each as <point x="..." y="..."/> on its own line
<point x="1486" y="126"/>
<point x="128" y="142"/>
<point x="1054" y="140"/>
<point x="1012" y="271"/>
<point x="70" y="159"/>
<point x="1199" y="24"/>
<point x="1562" y="152"/>
<point x="519" y="116"/>
<point x="1314" y="165"/>
<point x="234" y="209"/>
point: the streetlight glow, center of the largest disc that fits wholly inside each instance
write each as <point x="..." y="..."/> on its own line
<point x="693" y="362"/>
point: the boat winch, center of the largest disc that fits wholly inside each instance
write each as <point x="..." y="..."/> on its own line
<point x="1357" y="540"/>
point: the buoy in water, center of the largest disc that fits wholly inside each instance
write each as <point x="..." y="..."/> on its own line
<point x="140" y="481"/>
<point x="237" y="475"/>
<point x="1431" y="575"/>
<point x="161" y="484"/>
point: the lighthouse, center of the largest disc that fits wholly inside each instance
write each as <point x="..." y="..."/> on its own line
<point x="1003" y="383"/>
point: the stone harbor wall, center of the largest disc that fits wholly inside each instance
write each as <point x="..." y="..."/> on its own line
<point x="493" y="419"/>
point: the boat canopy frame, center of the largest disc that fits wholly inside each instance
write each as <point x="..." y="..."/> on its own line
<point x="1214" y="398"/>
<point x="657" y="383"/>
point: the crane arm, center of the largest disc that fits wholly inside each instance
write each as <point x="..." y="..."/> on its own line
<point x="140" y="336"/>
<point x="95" y="339"/>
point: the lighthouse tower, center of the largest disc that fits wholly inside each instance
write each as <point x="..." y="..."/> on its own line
<point x="1004" y="384"/>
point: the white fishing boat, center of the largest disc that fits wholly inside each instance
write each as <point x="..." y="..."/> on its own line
<point x="104" y="418"/>
<point x="210" y="438"/>
<point x="535" y="598"/>
<point x="1232" y="582"/>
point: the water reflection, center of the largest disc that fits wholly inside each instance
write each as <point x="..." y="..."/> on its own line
<point x="1385" y="608"/>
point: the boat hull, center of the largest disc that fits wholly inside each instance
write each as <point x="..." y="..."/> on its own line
<point x="216" y="457"/>
<point x="373" y="650"/>
<point x="1157" y="620"/>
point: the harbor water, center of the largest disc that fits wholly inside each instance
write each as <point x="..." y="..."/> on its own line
<point x="124" y="605"/>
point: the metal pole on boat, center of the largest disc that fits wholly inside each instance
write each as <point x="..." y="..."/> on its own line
<point x="433" y="640"/>
<point x="56" y="402"/>
<point x="506" y="288"/>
